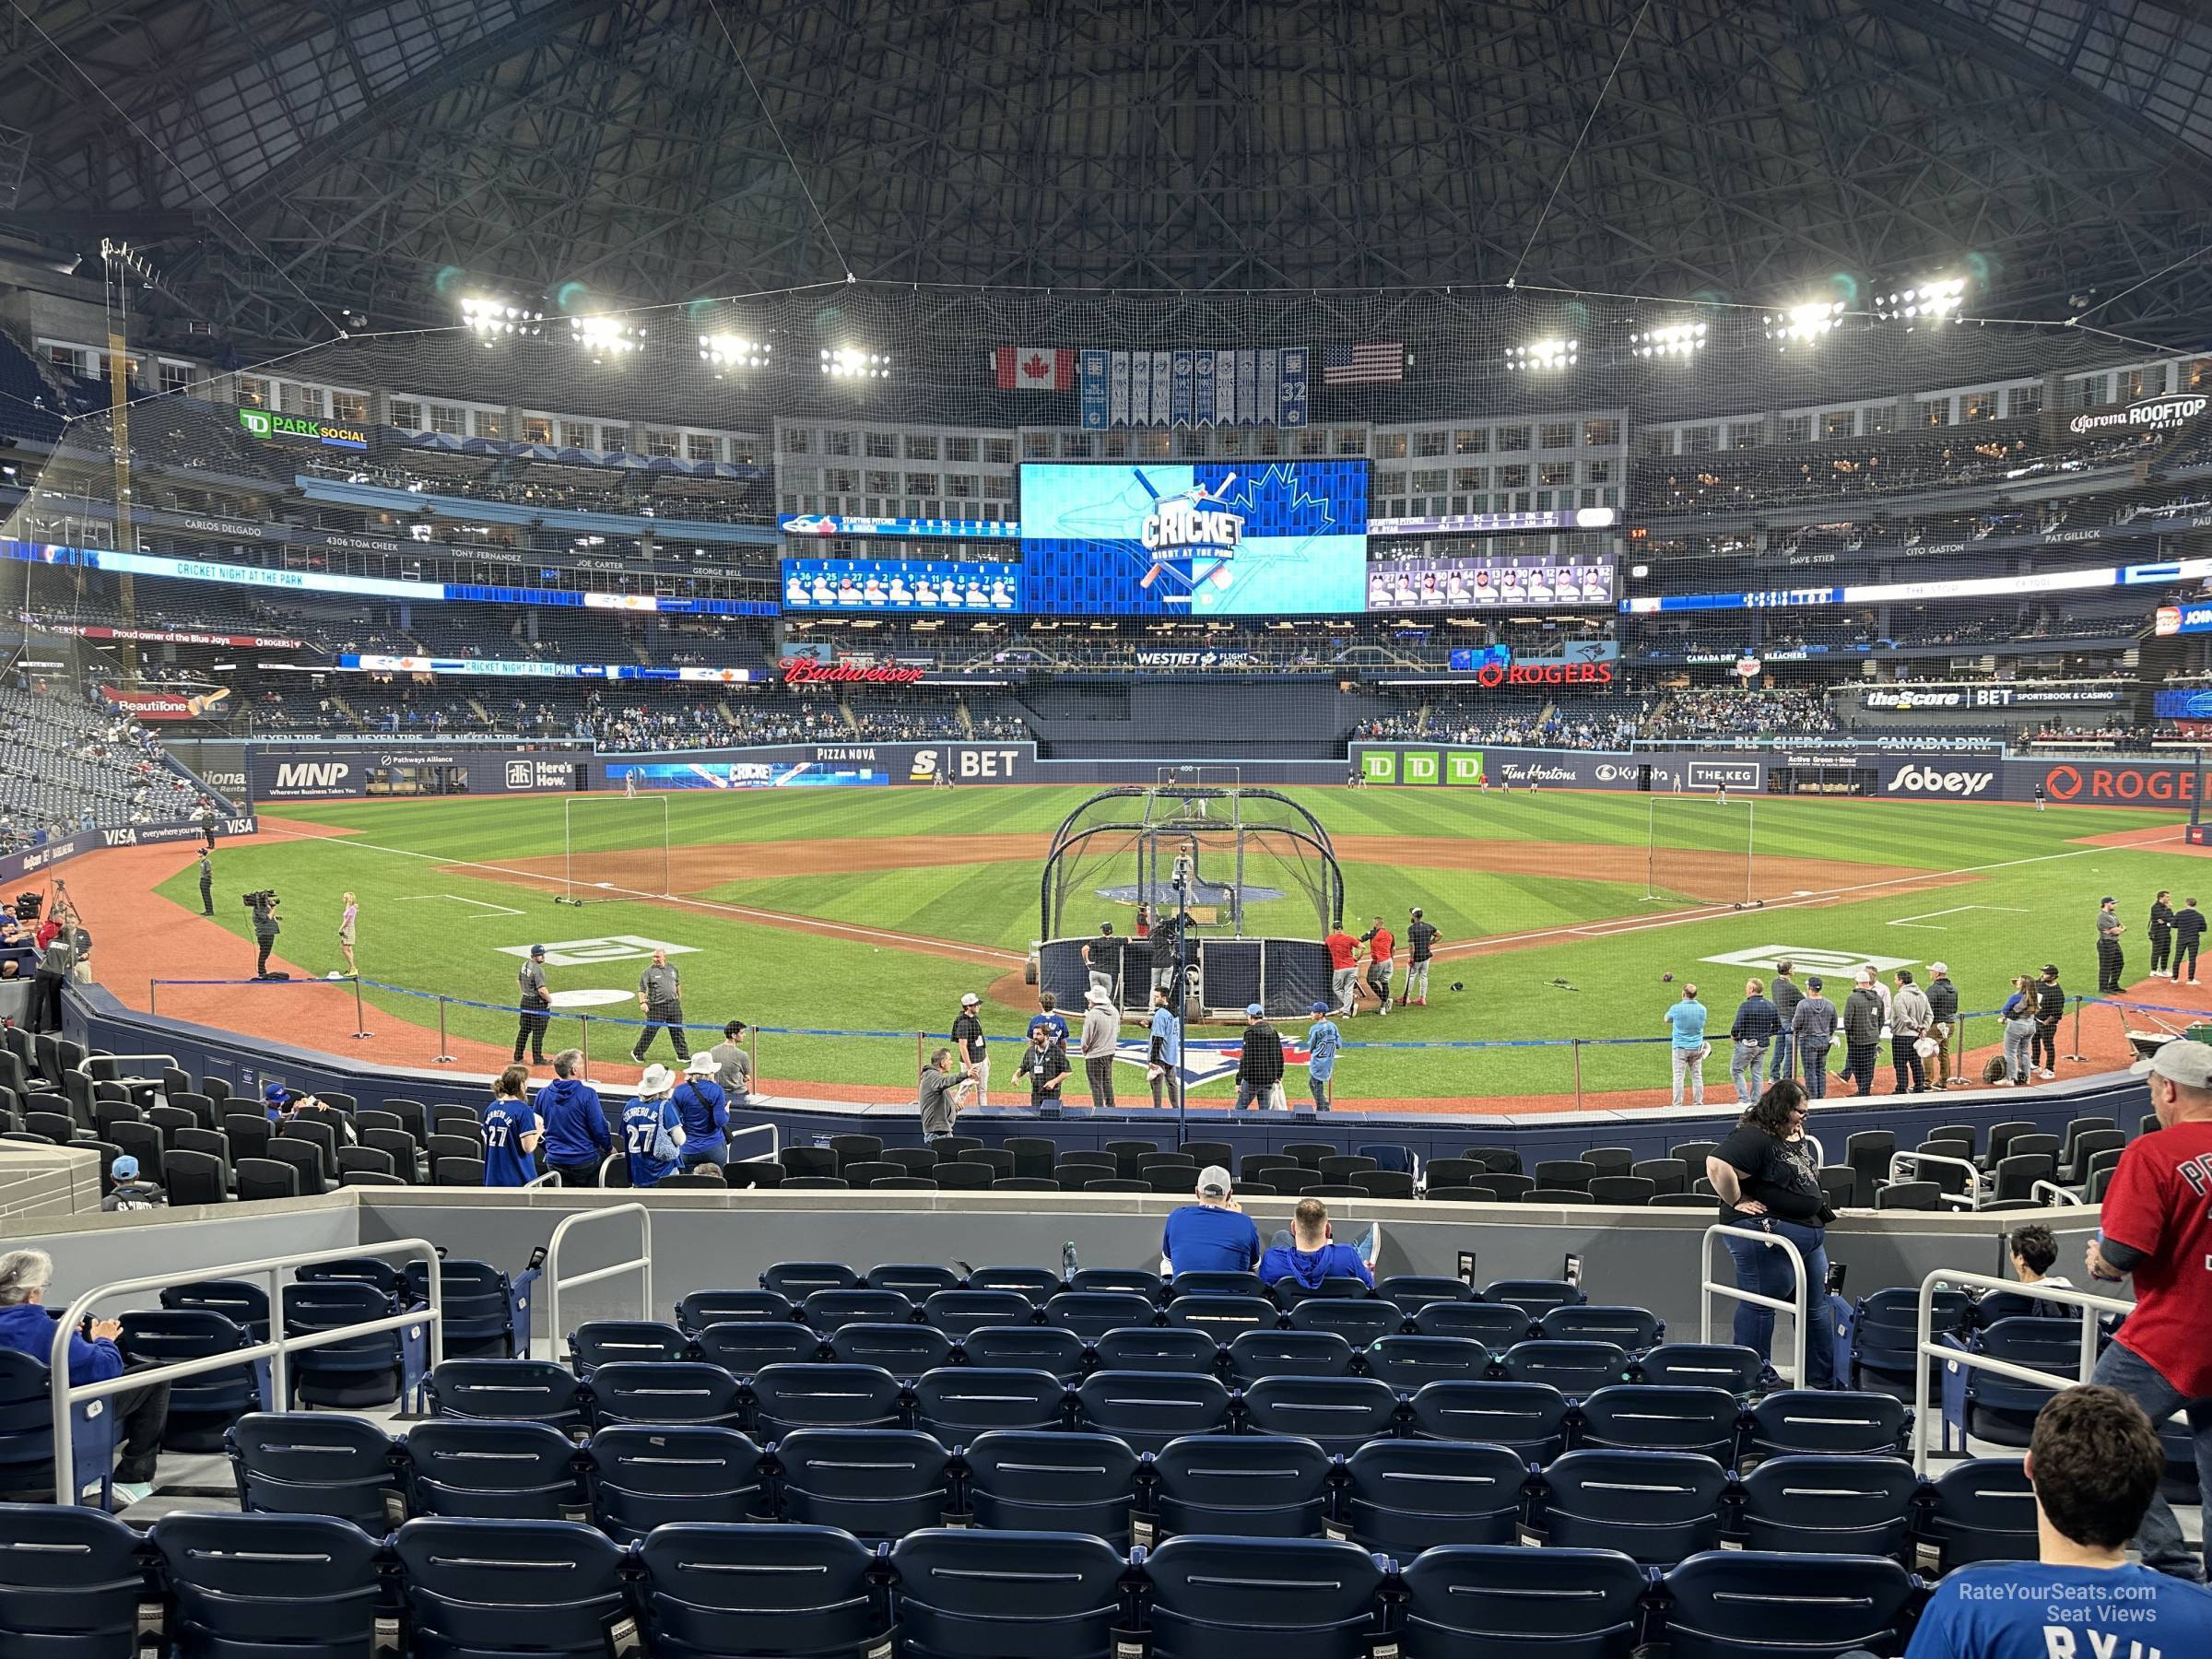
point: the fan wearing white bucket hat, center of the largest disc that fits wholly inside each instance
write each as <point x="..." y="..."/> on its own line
<point x="653" y="1129"/>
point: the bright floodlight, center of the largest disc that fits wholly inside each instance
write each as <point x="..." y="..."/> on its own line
<point x="606" y="336"/>
<point x="1540" y="355"/>
<point x="1935" y="302"/>
<point x="847" y="362"/>
<point x="733" y="351"/>
<point x="491" y="318"/>
<point x="1802" y="324"/>
<point x="1678" y="340"/>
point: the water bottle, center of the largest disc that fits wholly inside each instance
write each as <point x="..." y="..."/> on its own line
<point x="1067" y="1260"/>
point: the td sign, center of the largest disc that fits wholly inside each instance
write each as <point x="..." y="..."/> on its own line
<point x="1454" y="768"/>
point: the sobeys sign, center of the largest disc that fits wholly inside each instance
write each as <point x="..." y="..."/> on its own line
<point x="267" y="423"/>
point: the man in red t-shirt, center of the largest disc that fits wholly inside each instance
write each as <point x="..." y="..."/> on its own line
<point x="1381" y="949"/>
<point x="1344" y="977"/>
<point x="2157" y="1226"/>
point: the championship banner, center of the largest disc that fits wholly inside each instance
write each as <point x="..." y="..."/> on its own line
<point x="1193" y="388"/>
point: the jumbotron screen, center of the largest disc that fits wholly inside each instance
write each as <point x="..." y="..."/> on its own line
<point x="1214" y="538"/>
<point x="1490" y="578"/>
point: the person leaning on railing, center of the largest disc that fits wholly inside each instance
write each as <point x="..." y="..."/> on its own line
<point x="1763" y="1173"/>
<point x="26" y="1327"/>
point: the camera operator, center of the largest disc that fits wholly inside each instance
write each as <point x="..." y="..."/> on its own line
<point x="266" y="926"/>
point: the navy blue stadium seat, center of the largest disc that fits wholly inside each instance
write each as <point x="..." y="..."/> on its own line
<point x="1497" y="1325"/>
<point x="701" y="1309"/>
<point x="1339" y="1413"/>
<point x="875" y="1482"/>
<point x="1020" y="1481"/>
<point x="1476" y="1601"/>
<point x="824" y="1396"/>
<point x="1148" y="1285"/>
<point x="1657" y="1507"/>
<point x="665" y="1390"/>
<point x="1156" y="1348"/>
<point x="2002" y="1409"/>
<point x="1648" y="1417"/>
<point x="965" y="1594"/>
<point x="1224" y="1318"/>
<point x="242" y="1302"/>
<point x="362" y="1370"/>
<point x="246" y="1586"/>
<point x="1981" y="1510"/>
<point x="1829" y="1421"/>
<point x="1575" y="1369"/>
<point x="1025" y="1347"/>
<point x="1251" y="1598"/>
<point x="1150" y="1408"/>
<point x="301" y="1462"/>
<point x="1402" y="1496"/>
<point x="713" y="1590"/>
<point x="1745" y="1604"/>
<point x="743" y="1346"/>
<point x="645" y="1475"/>
<point x="829" y="1311"/>
<point x="956" y="1402"/>
<point x="1533" y="1297"/>
<point x="70" y="1583"/>
<point x="536" y="1389"/>
<point x="1358" y="1323"/>
<point x="1038" y="1284"/>
<point x="1414" y="1291"/>
<point x="1408" y="1363"/>
<point x="1701" y="1364"/>
<point x="519" y="1471"/>
<point x="1531" y="1417"/>
<point x="1288" y="1292"/>
<point x="904" y="1350"/>
<point x="489" y="1589"/>
<point x="1258" y="1354"/>
<point x="476" y="1299"/>
<point x="1816" y="1505"/>
<point x="1210" y="1283"/>
<point x="1091" y="1313"/>
<point x="1632" y="1328"/>
<point x="605" y="1341"/>
<point x="917" y="1281"/>
<point x="1885" y="1328"/>
<point x="957" y="1312"/>
<point x="200" y="1408"/>
<point x="797" y="1280"/>
<point x="1246" y="1486"/>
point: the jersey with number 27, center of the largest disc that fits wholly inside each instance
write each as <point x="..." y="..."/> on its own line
<point x="505" y="1162"/>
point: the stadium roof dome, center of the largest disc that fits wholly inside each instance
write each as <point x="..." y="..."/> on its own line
<point x="276" y="158"/>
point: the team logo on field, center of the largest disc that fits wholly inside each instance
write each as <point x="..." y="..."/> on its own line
<point x="1808" y="958"/>
<point x="612" y="947"/>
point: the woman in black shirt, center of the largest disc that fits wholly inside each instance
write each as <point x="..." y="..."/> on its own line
<point x="1764" y="1174"/>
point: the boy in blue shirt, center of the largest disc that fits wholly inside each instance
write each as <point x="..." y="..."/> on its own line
<point x="1322" y="1042"/>
<point x="1048" y="1014"/>
<point x="2094" y="1461"/>
<point x="643" y="1119"/>
<point x="1212" y="1235"/>
<point x="510" y="1133"/>
<point x="1308" y="1255"/>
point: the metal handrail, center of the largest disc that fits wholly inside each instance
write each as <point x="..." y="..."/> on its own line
<point x="776" y="1140"/>
<point x="66" y="1393"/>
<point x="1795" y="1308"/>
<point x="1974" y="1178"/>
<point x="641" y="1263"/>
<point x="2057" y="1197"/>
<point x="1927" y="1347"/>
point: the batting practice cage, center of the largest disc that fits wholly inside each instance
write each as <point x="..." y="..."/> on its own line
<point x="1247" y="878"/>
<point x="1700" y="846"/>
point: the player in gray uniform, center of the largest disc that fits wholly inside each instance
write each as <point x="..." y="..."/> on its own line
<point x="660" y="1000"/>
<point x="536" y="1004"/>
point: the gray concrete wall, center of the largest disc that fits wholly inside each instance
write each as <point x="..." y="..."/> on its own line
<point x="94" y="1249"/>
<point x="46" y="1181"/>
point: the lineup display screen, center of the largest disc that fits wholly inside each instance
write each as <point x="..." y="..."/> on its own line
<point x="900" y="585"/>
<point x="1210" y="539"/>
<point x="1490" y="578"/>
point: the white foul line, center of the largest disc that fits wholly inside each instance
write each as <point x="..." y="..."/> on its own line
<point x="1922" y="919"/>
<point x="500" y="910"/>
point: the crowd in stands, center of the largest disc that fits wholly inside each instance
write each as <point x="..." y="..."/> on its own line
<point x="1533" y="722"/>
<point x="72" y="763"/>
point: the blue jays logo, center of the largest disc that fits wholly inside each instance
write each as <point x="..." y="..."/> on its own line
<point x="1192" y="530"/>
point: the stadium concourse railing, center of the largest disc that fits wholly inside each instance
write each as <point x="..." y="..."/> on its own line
<point x="1794" y="1306"/>
<point x="641" y="1263"/>
<point x="1572" y="1049"/>
<point x="66" y="1394"/>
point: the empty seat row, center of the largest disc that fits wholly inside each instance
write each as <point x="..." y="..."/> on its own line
<point x="793" y="1282"/>
<point x="237" y="1585"/>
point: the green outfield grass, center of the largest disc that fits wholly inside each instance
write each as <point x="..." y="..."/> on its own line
<point x="2028" y="893"/>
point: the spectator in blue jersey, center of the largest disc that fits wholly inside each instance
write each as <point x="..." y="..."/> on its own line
<point x="1048" y="1014"/>
<point x="27" y="1327"/>
<point x="1212" y="1235"/>
<point x="2094" y="1461"/>
<point x="704" y="1111"/>
<point x="510" y="1133"/>
<point x="1307" y="1252"/>
<point x="1322" y="1039"/>
<point x="653" y="1130"/>
<point x="577" y="1137"/>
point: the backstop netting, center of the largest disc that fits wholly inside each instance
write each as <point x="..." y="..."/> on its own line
<point x="614" y="847"/>
<point x="1702" y="846"/>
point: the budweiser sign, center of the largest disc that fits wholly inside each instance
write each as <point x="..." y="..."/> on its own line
<point x="806" y="671"/>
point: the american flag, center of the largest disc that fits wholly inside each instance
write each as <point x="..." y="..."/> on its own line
<point x="1363" y="365"/>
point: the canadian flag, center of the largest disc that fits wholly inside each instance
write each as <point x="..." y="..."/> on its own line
<point x="1034" y="369"/>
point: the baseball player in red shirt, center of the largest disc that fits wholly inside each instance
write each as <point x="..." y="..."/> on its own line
<point x="1343" y="972"/>
<point x="1382" y="948"/>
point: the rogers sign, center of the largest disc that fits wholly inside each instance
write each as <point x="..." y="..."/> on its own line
<point x="2104" y="785"/>
<point x="806" y="671"/>
<point x="1491" y="676"/>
